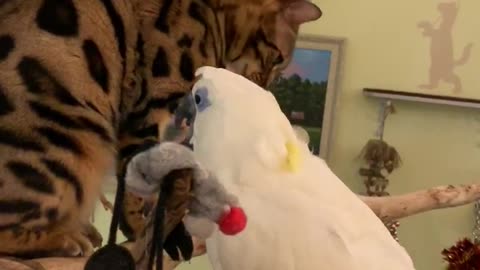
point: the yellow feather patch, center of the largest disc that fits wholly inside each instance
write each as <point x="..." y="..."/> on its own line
<point x="292" y="161"/>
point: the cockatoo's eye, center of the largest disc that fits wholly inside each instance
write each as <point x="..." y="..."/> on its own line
<point x="198" y="99"/>
<point x="201" y="99"/>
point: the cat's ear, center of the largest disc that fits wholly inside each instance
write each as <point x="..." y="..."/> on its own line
<point x="297" y="12"/>
<point x="291" y="15"/>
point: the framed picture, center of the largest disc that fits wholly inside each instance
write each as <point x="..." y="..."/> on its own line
<point x="308" y="87"/>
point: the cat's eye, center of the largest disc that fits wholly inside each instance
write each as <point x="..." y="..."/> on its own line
<point x="278" y="60"/>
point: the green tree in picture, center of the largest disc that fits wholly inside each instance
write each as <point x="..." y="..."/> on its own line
<point x="302" y="101"/>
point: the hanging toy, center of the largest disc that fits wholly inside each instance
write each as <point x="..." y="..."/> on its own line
<point x="113" y="256"/>
<point x="381" y="160"/>
<point x="145" y="175"/>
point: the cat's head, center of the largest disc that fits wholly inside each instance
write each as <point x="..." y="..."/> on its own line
<point x="254" y="38"/>
<point x="261" y="34"/>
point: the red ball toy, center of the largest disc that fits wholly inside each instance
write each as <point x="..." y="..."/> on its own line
<point x="233" y="222"/>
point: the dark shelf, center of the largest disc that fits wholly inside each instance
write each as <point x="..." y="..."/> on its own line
<point x="420" y="97"/>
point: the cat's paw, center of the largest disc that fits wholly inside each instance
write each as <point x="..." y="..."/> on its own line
<point x="73" y="245"/>
<point x="93" y="235"/>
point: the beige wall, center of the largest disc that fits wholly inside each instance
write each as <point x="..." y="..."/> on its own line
<point x="438" y="144"/>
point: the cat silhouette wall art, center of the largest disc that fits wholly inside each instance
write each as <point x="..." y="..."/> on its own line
<point x="442" y="59"/>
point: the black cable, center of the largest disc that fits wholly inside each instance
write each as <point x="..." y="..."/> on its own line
<point x="156" y="249"/>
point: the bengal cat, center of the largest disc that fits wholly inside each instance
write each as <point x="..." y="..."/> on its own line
<point x="84" y="83"/>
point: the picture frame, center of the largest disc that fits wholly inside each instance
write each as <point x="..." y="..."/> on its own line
<point x="317" y="62"/>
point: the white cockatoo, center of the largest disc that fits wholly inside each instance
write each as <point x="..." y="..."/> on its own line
<point x="301" y="216"/>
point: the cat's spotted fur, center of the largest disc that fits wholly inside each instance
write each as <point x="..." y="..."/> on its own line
<point x="83" y="83"/>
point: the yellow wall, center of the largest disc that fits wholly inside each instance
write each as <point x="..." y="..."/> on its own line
<point x="438" y="144"/>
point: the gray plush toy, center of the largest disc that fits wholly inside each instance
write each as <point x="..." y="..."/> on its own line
<point x="145" y="176"/>
<point x="210" y="204"/>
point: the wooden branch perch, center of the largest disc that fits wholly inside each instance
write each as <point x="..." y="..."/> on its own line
<point x="396" y="207"/>
<point x="79" y="263"/>
<point x="386" y="208"/>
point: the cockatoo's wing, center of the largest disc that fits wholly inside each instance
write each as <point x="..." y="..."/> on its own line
<point x="271" y="151"/>
<point x="282" y="234"/>
<point x="277" y="145"/>
<point x="308" y="221"/>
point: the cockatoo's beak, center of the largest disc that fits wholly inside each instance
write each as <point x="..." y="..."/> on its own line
<point x="180" y="128"/>
<point x="185" y="112"/>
